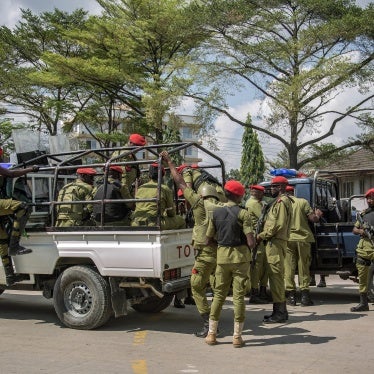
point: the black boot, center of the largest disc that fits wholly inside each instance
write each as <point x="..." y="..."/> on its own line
<point x="267" y="316"/>
<point x="178" y="303"/>
<point x="363" y="306"/>
<point x="204" y="332"/>
<point x="12" y="278"/>
<point x="322" y="281"/>
<point x="291" y="297"/>
<point x="15" y="249"/>
<point x="312" y="281"/>
<point x="305" y="298"/>
<point x="254" y="297"/>
<point x="189" y="300"/>
<point x="280" y="315"/>
<point x="263" y="296"/>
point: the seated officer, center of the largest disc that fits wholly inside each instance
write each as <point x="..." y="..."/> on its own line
<point x="145" y="213"/>
<point x="69" y="215"/>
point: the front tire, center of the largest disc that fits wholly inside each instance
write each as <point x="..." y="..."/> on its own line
<point x="81" y="298"/>
<point x="153" y="304"/>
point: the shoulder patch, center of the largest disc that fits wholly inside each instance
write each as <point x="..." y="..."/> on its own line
<point x="279" y="200"/>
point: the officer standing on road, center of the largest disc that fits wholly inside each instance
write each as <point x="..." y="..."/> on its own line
<point x="146" y="212"/>
<point x="69" y="215"/>
<point x="298" y="252"/>
<point x="259" y="272"/>
<point x="364" y="227"/>
<point x="9" y="244"/>
<point x="275" y="235"/>
<point x="205" y="262"/>
<point x="232" y="228"/>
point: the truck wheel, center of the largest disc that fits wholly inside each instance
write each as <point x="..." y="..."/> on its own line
<point x="153" y="304"/>
<point x="81" y="298"/>
<point x="371" y="284"/>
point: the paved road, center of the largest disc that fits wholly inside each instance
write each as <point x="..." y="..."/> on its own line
<point x="325" y="338"/>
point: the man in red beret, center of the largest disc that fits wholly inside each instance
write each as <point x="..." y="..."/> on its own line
<point x="115" y="214"/>
<point x="275" y="236"/>
<point x="259" y="273"/>
<point x="69" y="215"/>
<point x="231" y="228"/>
<point x="364" y="227"/>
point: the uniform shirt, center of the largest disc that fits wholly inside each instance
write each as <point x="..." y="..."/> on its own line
<point x="148" y="209"/>
<point x="365" y="243"/>
<point x="278" y="219"/>
<point x="254" y="208"/>
<point x="233" y="255"/>
<point x="300" y="229"/>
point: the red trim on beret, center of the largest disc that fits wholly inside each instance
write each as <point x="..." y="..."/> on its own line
<point x="116" y="168"/>
<point x="279" y="180"/>
<point x="369" y="192"/>
<point x="180" y="168"/>
<point x="235" y="187"/>
<point x="137" y="139"/>
<point x="89" y="171"/>
<point x="155" y="165"/>
<point x="257" y="187"/>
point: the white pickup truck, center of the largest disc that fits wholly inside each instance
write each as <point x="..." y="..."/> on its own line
<point x="95" y="272"/>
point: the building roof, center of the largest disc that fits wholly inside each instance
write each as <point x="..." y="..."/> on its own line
<point x="357" y="163"/>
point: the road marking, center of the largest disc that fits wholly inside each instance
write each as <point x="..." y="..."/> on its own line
<point x="139" y="367"/>
<point x="139" y="337"/>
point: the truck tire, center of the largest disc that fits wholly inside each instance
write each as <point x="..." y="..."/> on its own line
<point x="153" y="304"/>
<point x="81" y="298"/>
<point x="371" y="284"/>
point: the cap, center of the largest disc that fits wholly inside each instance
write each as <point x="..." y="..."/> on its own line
<point x="89" y="171"/>
<point x="116" y="168"/>
<point x="180" y="168"/>
<point x="279" y="180"/>
<point x="369" y="192"/>
<point x="235" y="187"/>
<point x="290" y="189"/>
<point x="257" y="187"/>
<point x="137" y="139"/>
<point x="155" y="166"/>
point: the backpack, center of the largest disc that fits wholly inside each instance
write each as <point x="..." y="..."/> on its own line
<point x="112" y="211"/>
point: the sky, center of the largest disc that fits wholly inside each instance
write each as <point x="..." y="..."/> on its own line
<point x="229" y="134"/>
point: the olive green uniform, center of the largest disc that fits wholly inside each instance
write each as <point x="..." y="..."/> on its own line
<point x="365" y="252"/>
<point x="232" y="268"/>
<point x="69" y="215"/>
<point x="145" y="213"/>
<point x="130" y="171"/>
<point x="275" y="236"/>
<point x="206" y="257"/>
<point x="298" y="252"/>
<point x="259" y="272"/>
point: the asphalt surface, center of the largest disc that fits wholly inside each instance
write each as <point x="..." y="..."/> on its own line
<point x="324" y="338"/>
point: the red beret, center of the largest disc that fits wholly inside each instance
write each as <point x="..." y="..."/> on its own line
<point x="369" y="192"/>
<point x="116" y="168"/>
<point x="89" y="171"/>
<point x="279" y="180"/>
<point x="137" y="139"/>
<point x="257" y="187"/>
<point x="235" y="187"/>
<point x="155" y="165"/>
<point x="180" y="168"/>
<point x="194" y="166"/>
<point x="289" y="189"/>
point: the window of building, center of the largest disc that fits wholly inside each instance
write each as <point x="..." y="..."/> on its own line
<point x="91" y="144"/>
<point x="347" y="189"/>
<point x="361" y="186"/>
<point x="186" y="133"/>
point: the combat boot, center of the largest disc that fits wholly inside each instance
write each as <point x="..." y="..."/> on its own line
<point x="363" y="306"/>
<point x="305" y="298"/>
<point x="322" y="282"/>
<point x="280" y="315"/>
<point x="312" y="281"/>
<point x="212" y="333"/>
<point x="204" y="332"/>
<point x="254" y="297"/>
<point x="12" y="278"/>
<point x="237" y="340"/>
<point x="178" y="303"/>
<point x="15" y="249"/>
<point x="291" y="297"/>
<point x="263" y="296"/>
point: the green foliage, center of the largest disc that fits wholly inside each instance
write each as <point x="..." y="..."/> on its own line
<point x="233" y="174"/>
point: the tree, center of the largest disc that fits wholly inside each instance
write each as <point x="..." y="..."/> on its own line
<point x="299" y="55"/>
<point x="252" y="163"/>
<point x="44" y="98"/>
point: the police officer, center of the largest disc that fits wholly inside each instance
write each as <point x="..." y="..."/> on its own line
<point x="146" y="212"/>
<point x="259" y="273"/>
<point x="231" y="225"/>
<point x="364" y="227"/>
<point x="202" y="204"/>
<point x="275" y="235"/>
<point x="69" y="215"/>
<point x="20" y="212"/>
<point x="298" y="252"/>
